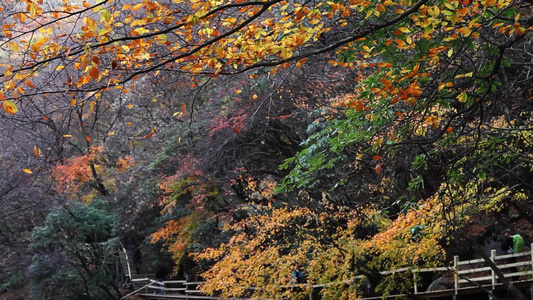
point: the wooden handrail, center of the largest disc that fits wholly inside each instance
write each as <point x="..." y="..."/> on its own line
<point x="461" y="275"/>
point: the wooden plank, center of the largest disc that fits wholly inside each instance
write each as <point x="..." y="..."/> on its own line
<point x="140" y="279"/>
<point x="174" y="281"/>
<point x="469" y="262"/>
<point x="474" y="270"/>
<point x="476" y="279"/>
<point x="515" y="264"/>
<point x="436" y="269"/>
<point x="520" y="254"/>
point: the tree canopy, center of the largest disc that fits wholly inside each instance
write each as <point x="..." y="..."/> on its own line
<point x="345" y="136"/>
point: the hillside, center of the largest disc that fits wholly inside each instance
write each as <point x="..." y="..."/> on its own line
<point x="232" y="140"/>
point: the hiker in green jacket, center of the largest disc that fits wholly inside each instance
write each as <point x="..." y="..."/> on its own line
<point x="512" y="243"/>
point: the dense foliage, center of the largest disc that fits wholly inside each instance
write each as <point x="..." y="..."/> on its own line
<point x="76" y="253"/>
<point x="246" y="137"/>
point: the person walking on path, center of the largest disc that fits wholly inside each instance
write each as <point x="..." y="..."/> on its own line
<point x="512" y="243"/>
<point x="160" y="277"/>
<point x="297" y="274"/>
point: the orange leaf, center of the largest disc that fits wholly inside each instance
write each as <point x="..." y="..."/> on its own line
<point x="183" y="107"/>
<point x="95" y="59"/>
<point x="378" y="169"/>
<point x="88" y="138"/>
<point x="36" y="151"/>
<point x="449" y="130"/>
<point x="358" y="105"/>
<point x="29" y="83"/>
<point x="94" y="72"/>
<point x="149" y="135"/>
<point x="27" y="171"/>
<point x="10" y="107"/>
<point x="376" y="157"/>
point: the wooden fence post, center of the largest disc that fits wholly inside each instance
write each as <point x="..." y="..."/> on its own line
<point x="414" y="280"/>
<point x="531" y="257"/>
<point x="493" y="259"/>
<point x="456" y="273"/>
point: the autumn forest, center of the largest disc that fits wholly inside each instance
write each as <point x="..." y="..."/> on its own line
<point x="233" y="139"/>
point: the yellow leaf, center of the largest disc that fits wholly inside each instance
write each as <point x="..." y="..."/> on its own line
<point x="58" y="68"/>
<point x="404" y="29"/>
<point x="67" y="135"/>
<point x="27" y="171"/>
<point x="14" y="46"/>
<point x="434" y="11"/>
<point x="33" y="12"/>
<point x="462" y="97"/>
<point x="10" y="85"/>
<point x="137" y="6"/>
<point x="10" y="107"/>
<point x="111" y="133"/>
<point x="286" y="53"/>
<point x="35" y="47"/>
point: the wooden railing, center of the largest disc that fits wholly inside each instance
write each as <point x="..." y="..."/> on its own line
<point x="467" y="275"/>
